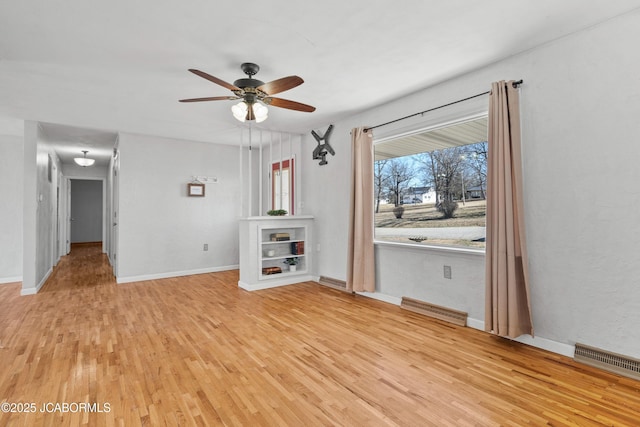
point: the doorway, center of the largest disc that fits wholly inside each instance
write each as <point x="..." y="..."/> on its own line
<point x="86" y="211"/>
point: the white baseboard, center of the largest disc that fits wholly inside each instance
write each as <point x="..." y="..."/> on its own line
<point x="547" y="344"/>
<point x="15" y="279"/>
<point x="538" y="342"/>
<point x="274" y="284"/>
<point x="33" y="291"/>
<point x="382" y="297"/>
<point x="475" y="324"/>
<point x="170" y="274"/>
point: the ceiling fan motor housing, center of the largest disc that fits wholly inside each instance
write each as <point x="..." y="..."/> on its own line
<point x="243" y="83"/>
<point x="250" y="69"/>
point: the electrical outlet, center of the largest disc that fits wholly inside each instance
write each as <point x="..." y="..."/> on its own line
<point x="447" y="272"/>
<point x="206" y="247"/>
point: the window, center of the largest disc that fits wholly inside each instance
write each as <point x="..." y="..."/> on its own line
<point x="430" y="186"/>
<point x="282" y="185"/>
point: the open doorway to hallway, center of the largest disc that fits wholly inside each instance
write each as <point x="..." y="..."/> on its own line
<point x="86" y="221"/>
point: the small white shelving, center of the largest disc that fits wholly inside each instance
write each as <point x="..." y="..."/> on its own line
<point x="264" y="248"/>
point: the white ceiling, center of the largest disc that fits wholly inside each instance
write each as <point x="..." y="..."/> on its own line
<point x="121" y="65"/>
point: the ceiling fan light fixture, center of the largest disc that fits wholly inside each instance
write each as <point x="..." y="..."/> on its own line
<point x="254" y="94"/>
<point x="239" y="111"/>
<point x="84" y="161"/>
<point x="261" y="112"/>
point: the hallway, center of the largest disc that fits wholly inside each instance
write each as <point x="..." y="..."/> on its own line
<point x="85" y="267"/>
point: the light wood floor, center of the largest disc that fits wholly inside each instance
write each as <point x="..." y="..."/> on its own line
<point x="200" y="351"/>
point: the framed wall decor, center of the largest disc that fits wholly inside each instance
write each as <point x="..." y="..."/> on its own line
<point x="195" y="190"/>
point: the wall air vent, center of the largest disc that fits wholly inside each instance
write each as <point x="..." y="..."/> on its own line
<point x="333" y="283"/>
<point x="612" y="362"/>
<point x="442" y="313"/>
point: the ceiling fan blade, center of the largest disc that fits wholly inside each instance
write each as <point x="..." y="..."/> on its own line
<point x="291" y="105"/>
<point x="213" y="79"/>
<point x="250" y="115"/>
<point x="280" y="85"/>
<point x="211" y="98"/>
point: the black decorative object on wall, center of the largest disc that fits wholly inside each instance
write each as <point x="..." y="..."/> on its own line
<point x="320" y="152"/>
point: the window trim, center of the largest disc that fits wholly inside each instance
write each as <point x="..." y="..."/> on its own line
<point x="288" y="164"/>
<point x="430" y="248"/>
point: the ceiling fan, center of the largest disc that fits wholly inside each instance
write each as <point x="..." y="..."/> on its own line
<point x="254" y="93"/>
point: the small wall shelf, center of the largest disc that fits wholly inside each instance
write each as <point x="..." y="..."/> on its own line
<point x="266" y="242"/>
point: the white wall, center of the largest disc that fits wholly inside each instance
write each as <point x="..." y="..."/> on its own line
<point x="40" y="252"/>
<point x="161" y="230"/>
<point x="11" y="165"/>
<point x="418" y="272"/>
<point x="580" y="106"/>
<point x="325" y="191"/>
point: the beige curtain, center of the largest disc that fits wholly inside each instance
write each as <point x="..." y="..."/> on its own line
<point x="508" y="308"/>
<point x="360" y="256"/>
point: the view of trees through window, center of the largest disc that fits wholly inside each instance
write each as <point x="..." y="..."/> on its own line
<point x="433" y="198"/>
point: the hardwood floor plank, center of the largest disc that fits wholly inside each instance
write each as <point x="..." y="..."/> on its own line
<point x="200" y="351"/>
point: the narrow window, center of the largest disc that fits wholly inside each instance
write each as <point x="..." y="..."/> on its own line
<point x="282" y="185"/>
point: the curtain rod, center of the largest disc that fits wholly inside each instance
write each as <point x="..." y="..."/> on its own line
<point x="514" y="84"/>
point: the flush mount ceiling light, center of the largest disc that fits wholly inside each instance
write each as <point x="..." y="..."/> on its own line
<point x="84" y="161"/>
<point x="254" y="94"/>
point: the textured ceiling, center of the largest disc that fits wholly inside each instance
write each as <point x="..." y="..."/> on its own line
<point x="122" y="65"/>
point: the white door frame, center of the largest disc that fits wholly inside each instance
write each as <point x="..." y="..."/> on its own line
<point x="113" y="216"/>
<point x="66" y="226"/>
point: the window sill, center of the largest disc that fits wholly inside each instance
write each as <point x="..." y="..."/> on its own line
<point x="431" y="248"/>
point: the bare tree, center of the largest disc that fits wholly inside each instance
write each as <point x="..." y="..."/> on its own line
<point x="380" y="180"/>
<point x="476" y="160"/>
<point x="399" y="175"/>
<point x="443" y="168"/>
